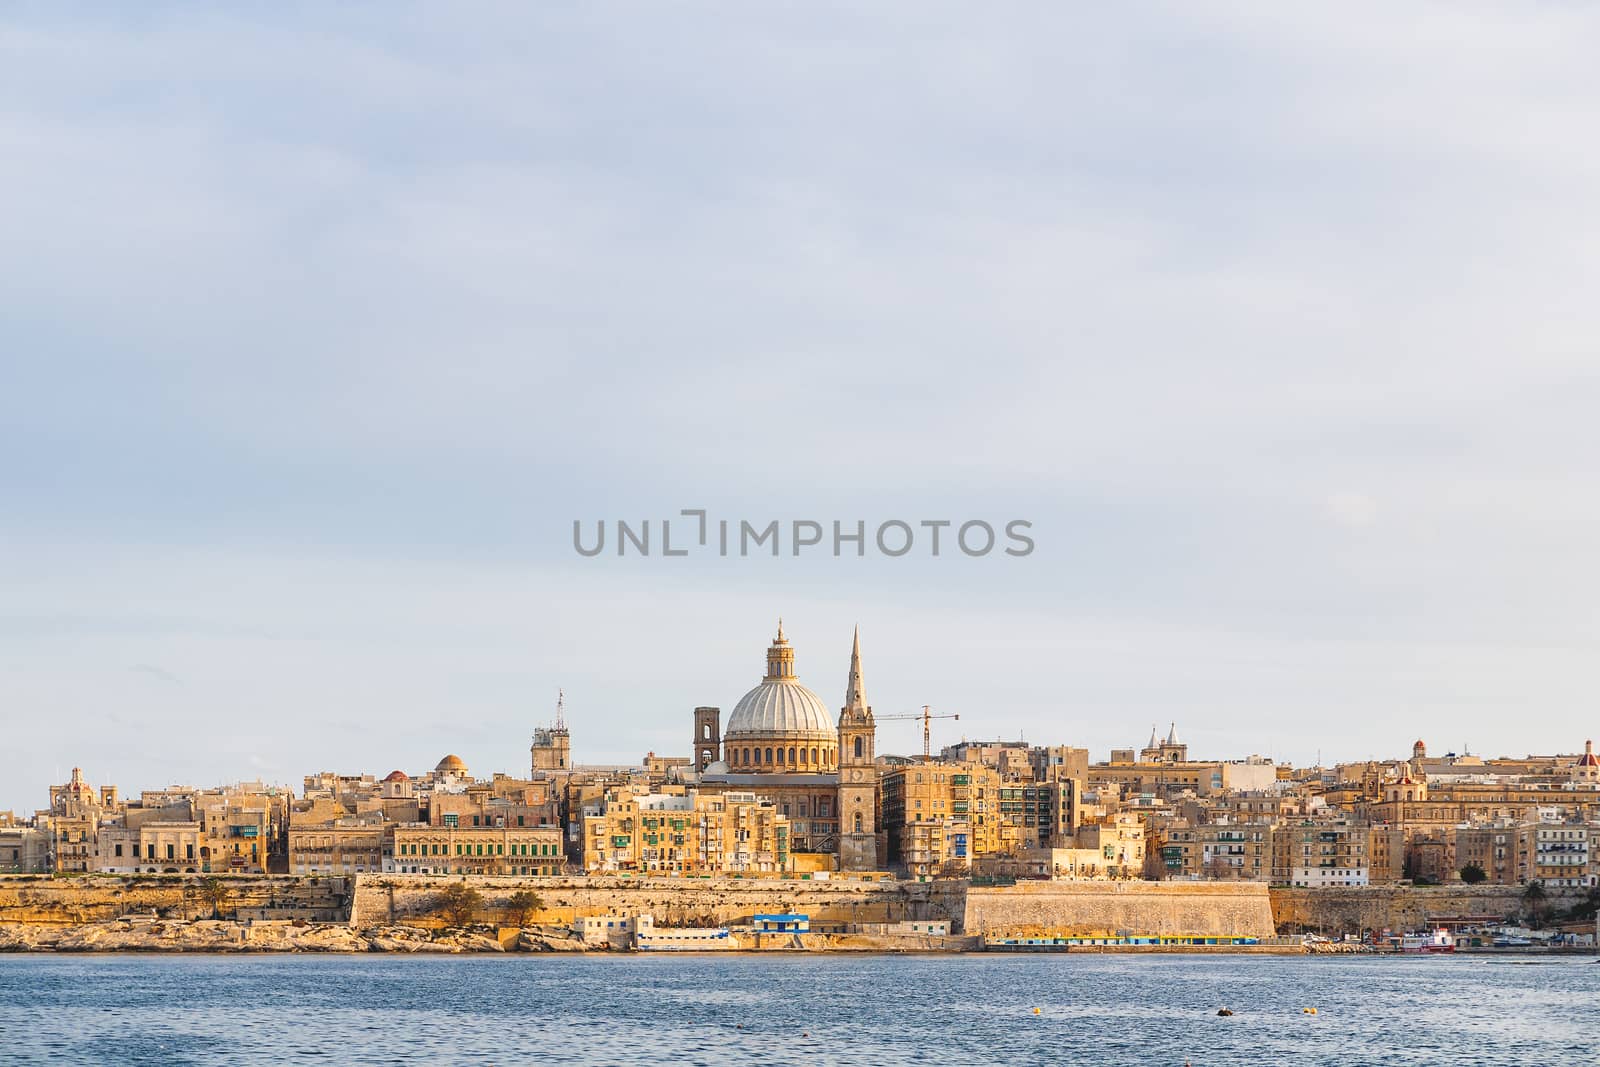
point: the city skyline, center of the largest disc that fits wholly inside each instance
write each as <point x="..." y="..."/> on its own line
<point x="900" y="742"/>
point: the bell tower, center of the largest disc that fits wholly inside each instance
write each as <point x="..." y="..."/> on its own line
<point x="858" y="774"/>
<point x="707" y="737"/>
<point x="552" y="745"/>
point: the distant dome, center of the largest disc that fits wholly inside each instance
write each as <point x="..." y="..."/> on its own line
<point x="787" y="708"/>
<point x="780" y="726"/>
<point x="397" y="776"/>
<point x="451" y="765"/>
<point x="780" y="707"/>
<point x="719" y="767"/>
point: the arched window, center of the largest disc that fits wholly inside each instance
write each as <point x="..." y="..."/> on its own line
<point x="791" y="753"/>
<point x="860" y="745"/>
<point x="813" y="754"/>
<point x="769" y="755"/>
<point x="858" y="816"/>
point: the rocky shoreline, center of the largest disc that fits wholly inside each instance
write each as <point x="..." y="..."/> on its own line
<point x="221" y="935"/>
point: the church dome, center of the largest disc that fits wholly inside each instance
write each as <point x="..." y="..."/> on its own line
<point x="780" y="707"/>
<point x="451" y="764"/>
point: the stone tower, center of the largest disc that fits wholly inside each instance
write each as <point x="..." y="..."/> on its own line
<point x="707" y="737"/>
<point x="858" y="774"/>
<point x="552" y="745"/>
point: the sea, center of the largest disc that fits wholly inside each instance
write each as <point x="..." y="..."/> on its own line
<point x="804" y="1009"/>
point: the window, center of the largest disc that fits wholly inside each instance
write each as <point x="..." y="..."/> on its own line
<point x="860" y="746"/>
<point x="769" y="755"/>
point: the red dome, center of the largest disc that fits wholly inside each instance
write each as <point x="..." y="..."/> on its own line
<point x="397" y="776"/>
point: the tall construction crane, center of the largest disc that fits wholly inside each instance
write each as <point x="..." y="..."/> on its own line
<point x="926" y="718"/>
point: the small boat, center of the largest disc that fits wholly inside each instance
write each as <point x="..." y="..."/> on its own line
<point x="1437" y="941"/>
<point x="1510" y="941"/>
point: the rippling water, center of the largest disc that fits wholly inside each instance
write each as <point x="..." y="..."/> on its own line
<point x="171" y="1010"/>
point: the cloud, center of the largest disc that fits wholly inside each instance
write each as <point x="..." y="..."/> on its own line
<point x="151" y="671"/>
<point x="327" y="336"/>
<point x="1353" y="510"/>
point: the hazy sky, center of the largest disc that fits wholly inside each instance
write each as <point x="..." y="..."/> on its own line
<point x="320" y="325"/>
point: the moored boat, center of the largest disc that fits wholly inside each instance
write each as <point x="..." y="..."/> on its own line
<point x="1437" y="941"/>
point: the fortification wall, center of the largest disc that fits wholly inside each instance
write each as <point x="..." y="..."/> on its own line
<point x="1377" y="907"/>
<point x="42" y="899"/>
<point x="415" y="899"/>
<point x="1231" y="908"/>
<point x="1147" y="907"/>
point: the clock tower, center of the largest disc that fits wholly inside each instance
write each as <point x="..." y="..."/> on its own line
<point x="858" y="774"/>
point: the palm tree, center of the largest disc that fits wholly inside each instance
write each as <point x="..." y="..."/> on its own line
<point x="215" y="891"/>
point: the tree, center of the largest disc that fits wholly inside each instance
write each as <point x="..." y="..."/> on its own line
<point x="459" y="901"/>
<point x="216" y="892"/>
<point x="521" y="905"/>
<point x="1534" y="897"/>
<point x="1472" y="874"/>
<point x="1155" y="866"/>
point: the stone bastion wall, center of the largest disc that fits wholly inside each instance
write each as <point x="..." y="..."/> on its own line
<point x="416" y="899"/>
<point x="1394" y="907"/>
<point x="1148" y="907"/>
<point x="1231" y="908"/>
<point x="42" y="899"/>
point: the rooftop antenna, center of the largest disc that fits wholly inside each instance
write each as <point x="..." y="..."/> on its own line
<point x="561" y="709"/>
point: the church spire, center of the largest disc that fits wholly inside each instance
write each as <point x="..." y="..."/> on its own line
<point x="855" y="690"/>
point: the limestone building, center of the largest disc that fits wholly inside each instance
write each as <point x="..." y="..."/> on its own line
<point x="690" y="833"/>
<point x="783" y="745"/>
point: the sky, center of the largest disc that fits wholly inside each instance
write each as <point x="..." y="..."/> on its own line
<point x="320" y="327"/>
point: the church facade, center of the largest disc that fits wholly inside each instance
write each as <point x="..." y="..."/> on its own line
<point x="783" y="744"/>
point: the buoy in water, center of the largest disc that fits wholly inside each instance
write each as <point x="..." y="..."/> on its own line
<point x="1036" y="1011"/>
<point x="1225" y="1011"/>
<point x="1308" y="1011"/>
